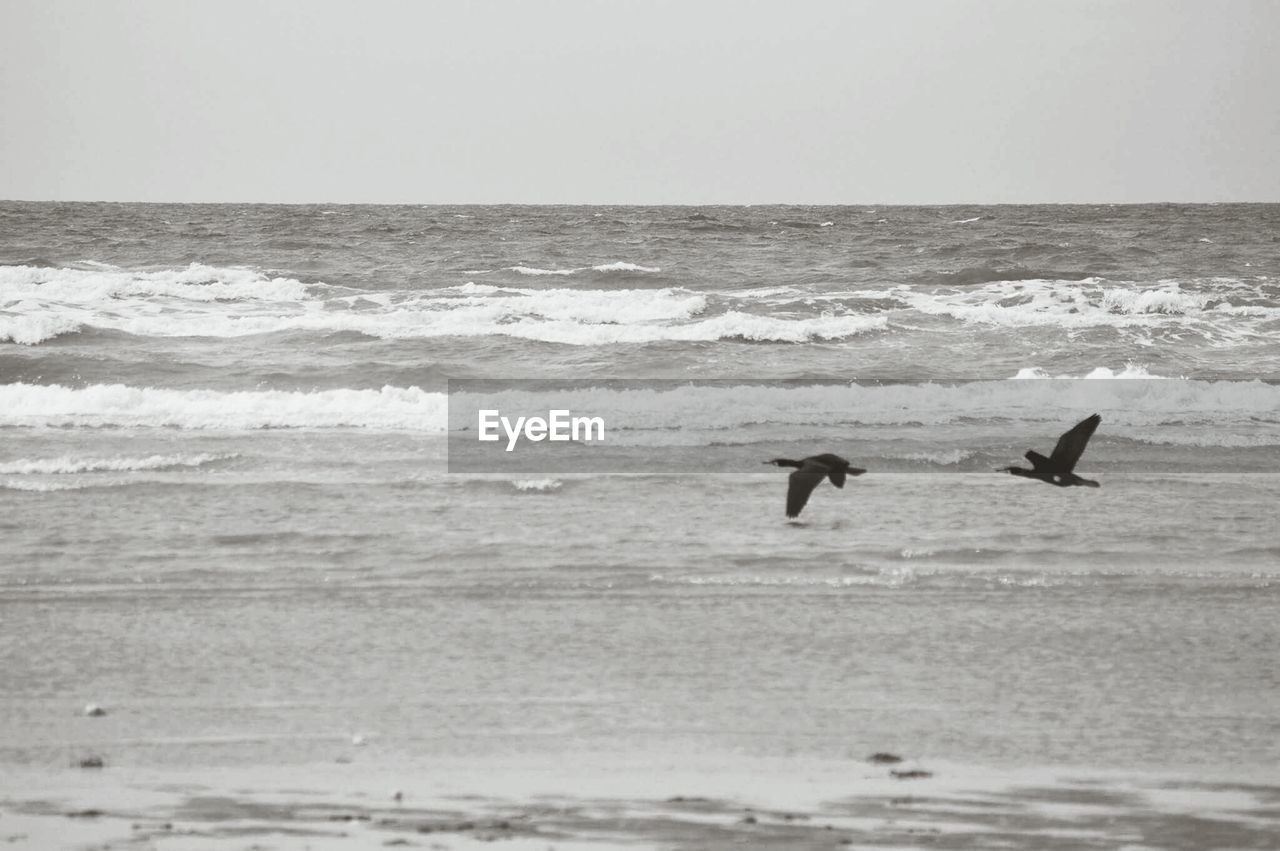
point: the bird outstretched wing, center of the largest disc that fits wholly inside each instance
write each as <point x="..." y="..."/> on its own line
<point x="802" y="483"/>
<point x="1071" y="445"/>
<point x="838" y="468"/>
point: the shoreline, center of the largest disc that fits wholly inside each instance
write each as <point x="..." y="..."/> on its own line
<point x="610" y="801"/>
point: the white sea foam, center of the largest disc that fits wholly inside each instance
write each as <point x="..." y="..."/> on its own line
<point x="472" y="288"/>
<point x="535" y="272"/>
<point x="618" y="266"/>
<point x="43" y="486"/>
<point x="1130" y="371"/>
<point x="38" y="304"/>
<point x="1083" y="304"/>
<point x="537" y="485"/>
<point x="1169" y="301"/>
<point x="943" y="458"/>
<point x="196" y="282"/>
<point x="391" y="408"/>
<point x="725" y="326"/>
<point x="494" y="305"/>
<point x="746" y="580"/>
<point x="605" y="320"/>
<point x="32" y="328"/>
<point x="566" y="316"/>
<point x="68" y="464"/>
<point x="625" y="267"/>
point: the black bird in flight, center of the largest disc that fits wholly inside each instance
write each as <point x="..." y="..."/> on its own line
<point x="1057" y="468"/>
<point x="809" y="473"/>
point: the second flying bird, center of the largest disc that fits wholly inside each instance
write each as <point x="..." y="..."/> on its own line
<point x="809" y="473"/>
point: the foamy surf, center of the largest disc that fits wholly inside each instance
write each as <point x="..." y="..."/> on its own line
<point x="218" y="303"/>
<point x="69" y="464"/>
<point x="537" y="485"/>
<point x="34" y="328"/>
<point x="46" y="486"/>
<point x="1129" y="371"/>
<point x="619" y="266"/>
<point x="940" y="458"/>
<point x="1092" y="302"/>
<point x="116" y="405"/>
<point x="196" y="282"/>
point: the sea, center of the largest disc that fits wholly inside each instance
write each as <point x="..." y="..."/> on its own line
<point x="228" y="512"/>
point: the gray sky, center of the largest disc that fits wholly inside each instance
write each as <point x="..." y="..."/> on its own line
<point x="640" y="101"/>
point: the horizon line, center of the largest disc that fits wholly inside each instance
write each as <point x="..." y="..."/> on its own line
<point x="650" y="204"/>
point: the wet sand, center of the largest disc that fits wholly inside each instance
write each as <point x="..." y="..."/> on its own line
<point x="622" y="803"/>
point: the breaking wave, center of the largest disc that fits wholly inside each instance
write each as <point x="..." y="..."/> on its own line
<point x="31" y="329"/>
<point x="202" y="301"/>
<point x="1087" y="303"/>
<point x="196" y="282"/>
<point x="116" y="405"/>
<point x="537" y="485"/>
<point x="619" y="266"/>
<point x="67" y="464"/>
<point x="1129" y="371"/>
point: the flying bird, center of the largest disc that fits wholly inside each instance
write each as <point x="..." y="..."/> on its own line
<point x="1057" y="468"/>
<point x="809" y="473"/>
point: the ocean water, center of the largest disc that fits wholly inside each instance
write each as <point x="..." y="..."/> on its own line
<point x="226" y="511"/>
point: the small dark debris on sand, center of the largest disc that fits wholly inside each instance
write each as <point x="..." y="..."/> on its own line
<point x="91" y="762"/>
<point x="85" y="814"/>
<point x="913" y="774"/>
<point x="884" y="758"/>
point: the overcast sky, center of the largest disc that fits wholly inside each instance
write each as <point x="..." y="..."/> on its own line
<point x="640" y="101"/>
